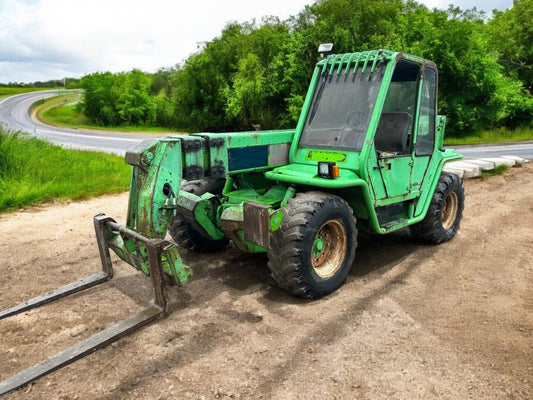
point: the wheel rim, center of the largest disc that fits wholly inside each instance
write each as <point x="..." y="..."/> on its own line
<point x="329" y="248"/>
<point x="449" y="210"/>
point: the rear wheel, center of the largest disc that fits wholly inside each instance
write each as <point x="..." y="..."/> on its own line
<point x="313" y="250"/>
<point x="186" y="235"/>
<point x="445" y="211"/>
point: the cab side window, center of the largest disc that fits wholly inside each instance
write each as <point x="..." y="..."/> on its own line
<point x="426" y="121"/>
<point x="396" y="122"/>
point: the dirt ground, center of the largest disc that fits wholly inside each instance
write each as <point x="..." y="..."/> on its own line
<point x="413" y="321"/>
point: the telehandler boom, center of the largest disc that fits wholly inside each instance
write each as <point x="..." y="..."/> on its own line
<point x="367" y="154"/>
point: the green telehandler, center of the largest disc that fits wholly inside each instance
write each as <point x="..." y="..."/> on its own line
<point x="366" y="155"/>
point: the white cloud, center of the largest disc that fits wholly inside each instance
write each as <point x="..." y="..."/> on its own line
<point x="481" y="5"/>
<point x="43" y="38"/>
<point x="51" y="39"/>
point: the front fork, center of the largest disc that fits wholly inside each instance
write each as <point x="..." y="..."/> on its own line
<point x="155" y="185"/>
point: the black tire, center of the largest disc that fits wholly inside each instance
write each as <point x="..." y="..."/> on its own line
<point x="184" y="234"/>
<point x="312" y="252"/>
<point x="445" y="211"/>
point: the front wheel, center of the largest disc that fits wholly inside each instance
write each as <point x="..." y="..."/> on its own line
<point x="312" y="251"/>
<point x="445" y="211"/>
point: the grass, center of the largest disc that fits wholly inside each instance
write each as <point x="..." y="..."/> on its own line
<point x="62" y="111"/>
<point x="495" y="171"/>
<point x="6" y="91"/>
<point x="493" y="136"/>
<point x="34" y="171"/>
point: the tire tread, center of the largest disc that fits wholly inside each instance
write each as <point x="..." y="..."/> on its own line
<point x="287" y="243"/>
<point x="430" y="229"/>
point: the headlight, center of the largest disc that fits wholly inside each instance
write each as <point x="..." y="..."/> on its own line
<point x="328" y="169"/>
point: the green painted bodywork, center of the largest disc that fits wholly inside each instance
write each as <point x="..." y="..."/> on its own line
<point x="156" y="165"/>
<point x="386" y="189"/>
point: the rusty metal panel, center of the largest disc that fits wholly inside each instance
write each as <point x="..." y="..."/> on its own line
<point x="279" y="154"/>
<point x="256" y="223"/>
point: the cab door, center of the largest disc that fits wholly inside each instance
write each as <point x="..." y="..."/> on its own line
<point x="405" y="136"/>
<point x="425" y="128"/>
<point x="393" y="141"/>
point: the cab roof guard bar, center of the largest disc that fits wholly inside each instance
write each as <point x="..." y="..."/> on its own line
<point x="355" y="59"/>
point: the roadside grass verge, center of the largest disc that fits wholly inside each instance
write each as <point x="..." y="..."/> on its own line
<point x="493" y="136"/>
<point x="33" y="171"/>
<point x="63" y="111"/>
<point x="6" y="91"/>
<point x="495" y="171"/>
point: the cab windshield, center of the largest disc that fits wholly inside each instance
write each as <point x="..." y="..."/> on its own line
<point x="341" y="109"/>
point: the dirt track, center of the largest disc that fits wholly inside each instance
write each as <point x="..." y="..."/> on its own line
<point x="413" y="321"/>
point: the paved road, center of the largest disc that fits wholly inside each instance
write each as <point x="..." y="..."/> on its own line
<point x="523" y="149"/>
<point x="14" y="115"/>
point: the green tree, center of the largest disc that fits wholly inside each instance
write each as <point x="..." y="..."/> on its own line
<point x="510" y="33"/>
<point x="161" y="80"/>
<point x="246" y="99"/>
<point x="99" y="98"/>
<point x="211" y="91"/>
<point x="118" y="99"/>
<point x="198" y="86"/>
<point x="257" y="74"/>
<point x="197" y="96"/>
<point x="474" y="91"/>
<point x="357" y="25"/>
<point x="160" y="91"/>
<point x="134" y="106"/>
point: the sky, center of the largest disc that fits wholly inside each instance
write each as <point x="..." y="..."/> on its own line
<point x="41" y="40"/>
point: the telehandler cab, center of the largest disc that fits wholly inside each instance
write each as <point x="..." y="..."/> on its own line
<point x="367" y="154"/>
